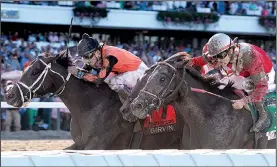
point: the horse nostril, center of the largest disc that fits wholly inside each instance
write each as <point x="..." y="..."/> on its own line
<point x="138" y="106"/>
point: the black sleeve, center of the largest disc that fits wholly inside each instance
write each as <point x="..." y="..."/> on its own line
<point x="112" y="61"/>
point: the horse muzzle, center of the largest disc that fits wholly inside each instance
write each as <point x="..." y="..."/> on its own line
<point x="138" y="109"/>
<point x="12" y="98"/>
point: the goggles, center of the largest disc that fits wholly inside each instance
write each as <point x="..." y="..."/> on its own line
<point x="89" y="55"/>
<point x="224" y="53"/>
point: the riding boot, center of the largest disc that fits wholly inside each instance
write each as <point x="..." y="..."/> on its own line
<point x="262" y="122"/>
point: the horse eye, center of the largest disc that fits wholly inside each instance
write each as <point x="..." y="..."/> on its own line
<point x="162" y="79"/>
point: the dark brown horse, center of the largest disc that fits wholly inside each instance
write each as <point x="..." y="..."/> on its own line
<point x="210" y="121"/>
<point x="96" y="120"/>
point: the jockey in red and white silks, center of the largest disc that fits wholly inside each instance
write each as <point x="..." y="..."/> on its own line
<point x="239" y="62"/>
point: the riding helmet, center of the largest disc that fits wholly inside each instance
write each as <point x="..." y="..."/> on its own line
<point x="219" y="43"/>
<point x="87" y="45"/>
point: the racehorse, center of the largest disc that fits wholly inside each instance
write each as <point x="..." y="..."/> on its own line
<point x="210" y="122"/>
<point x="96" y="121"/>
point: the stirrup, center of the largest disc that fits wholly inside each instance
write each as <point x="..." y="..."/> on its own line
<point x="264" y="125"/>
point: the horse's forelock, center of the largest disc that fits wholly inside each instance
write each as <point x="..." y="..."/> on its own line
<point x="64" y="59"/>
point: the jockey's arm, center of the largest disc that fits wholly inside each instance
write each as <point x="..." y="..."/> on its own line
<point x="258" y="76"/>
<point x="107" y="66"/>
<point x="195" y="61"/>
<point x="198" y="61"/>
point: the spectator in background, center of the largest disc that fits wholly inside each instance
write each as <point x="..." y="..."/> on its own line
<point x="222" y="7"/>
<point x="14" y="63"/>
<point x="63" y="117"/>
<point x="15" y="36"/>
<point x="273" y="9"/>
<point x="188" y="49"/>
<point x="12" y="114"/>
<point x="157" y="57"/>
<point x="215" y="7"/>
<point x="253" y="6"/>
<point x="233" y="8"/>
<point x="265" y="12"/>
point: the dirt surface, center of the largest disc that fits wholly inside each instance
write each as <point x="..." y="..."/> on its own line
<point x="35" y="141"/>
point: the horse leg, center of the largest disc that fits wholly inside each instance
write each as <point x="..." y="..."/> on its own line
<point x="262" y="142"/>
<point x="76" y="135"/>
<point x="271" y="144"/>
<point x="97" y="136"/>
<point x="98" y="143"/>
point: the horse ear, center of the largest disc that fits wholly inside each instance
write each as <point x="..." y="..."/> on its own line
<point x="180" y="64"/>
<point x="85" y="36"/>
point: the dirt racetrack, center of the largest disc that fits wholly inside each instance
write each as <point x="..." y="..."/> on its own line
<point x="35" y="141"/>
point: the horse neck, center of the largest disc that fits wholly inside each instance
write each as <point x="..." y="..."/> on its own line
<point x="78" y="94"/>
<point x="198" y="106"/>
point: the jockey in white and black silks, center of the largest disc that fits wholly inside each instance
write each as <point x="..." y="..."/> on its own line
<point x="236" y="62"/>
<point x="117" y="67"/>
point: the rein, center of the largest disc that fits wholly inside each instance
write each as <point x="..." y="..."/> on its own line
<point x="207" y="92"/>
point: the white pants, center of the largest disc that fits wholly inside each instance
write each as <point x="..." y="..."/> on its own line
<point x="127" y="79"/>
<point x="238" y="81"/>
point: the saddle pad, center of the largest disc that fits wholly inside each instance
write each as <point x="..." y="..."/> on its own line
<point x="158" y="124"/>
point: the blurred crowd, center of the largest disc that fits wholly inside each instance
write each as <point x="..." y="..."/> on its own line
<point x="18" y="50"/>
<point x="259" y="7"/>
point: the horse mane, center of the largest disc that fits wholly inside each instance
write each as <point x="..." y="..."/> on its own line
<point x="211" y="83"/>
<point x="61" y="58"/>
<point x="64" y="60"/>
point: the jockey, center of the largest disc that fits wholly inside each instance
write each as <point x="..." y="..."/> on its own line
<point x="242" y="60"/>
<point x="117" y="67"/>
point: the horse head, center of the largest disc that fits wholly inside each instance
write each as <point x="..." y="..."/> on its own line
<point x="46" y="74"/>
<point x="162" y="87"/>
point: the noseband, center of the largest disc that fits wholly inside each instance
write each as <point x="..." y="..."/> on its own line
<point x="161" y="97"/>
<point x="31" y="89"/>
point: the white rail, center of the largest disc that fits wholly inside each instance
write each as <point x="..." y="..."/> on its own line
<point x="140" y="158"/>
<point x="37" y="105"/>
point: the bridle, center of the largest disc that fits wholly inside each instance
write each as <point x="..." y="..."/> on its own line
<point x="43" y="75"/>
<point x="164" y="96"/>
<point x="40" y="80"/>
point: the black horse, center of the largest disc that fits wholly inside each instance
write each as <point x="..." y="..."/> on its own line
<point x="96" y="121"/>
<point x="210" y="121"/>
